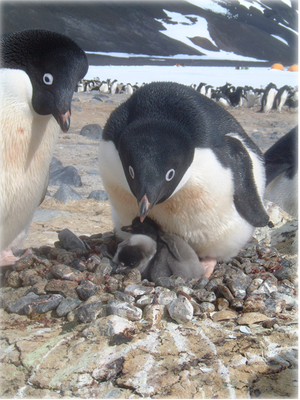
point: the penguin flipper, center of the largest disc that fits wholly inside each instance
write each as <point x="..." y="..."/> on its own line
<point x="246" y="198"/>
<point x="171" y="245"/>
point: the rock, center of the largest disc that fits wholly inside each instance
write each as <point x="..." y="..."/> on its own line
<point x="90" y="310"/>
<point x="204" y="295"/>
<point x="252" y="318"/>
<point x="43" y="304"/>
<point x="78" y="264"/>
<point x="99" y="195"/>
<point x="66" y="305"/>
<point x="145" y="300"/>
<point x="206" y="307"/>
<point x="238" y="282"/>
<point x="86" y="289"/>
<point x="224" y="315"/>
<point x="164" y="296"/>
<point x="124" y="297"/>
<point x="124" y="310"/>
<point x="14" y="280"/>
<point x="65" y="272"/>
<point x="222" y="304"/>
<point x="19" y="305"/>
<point x="92" y="131"/>
<point x="65" y="176"/>
<point x="153" y="313"/>
<point x="237" y="304"/>
<point x="225" y="292"/>
<point x="109" y="326"/>
<point x="40" y="287"/>
<point x="105" y="267"/>
<point x="181" y="310"/>
<point x="133" y="277"/>
<point x="29" y="277"/>
<point x="70" y="241"/>
<point x="138" y="290"/>
<point x="63" y="287"/>
<point x="201" y="283"/>
<point x="65" y="194"/>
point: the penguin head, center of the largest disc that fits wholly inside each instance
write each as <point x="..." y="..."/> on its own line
<point x="147" y="227"/>
<point x="54" y="64"/>
<point x="156" y="155"/>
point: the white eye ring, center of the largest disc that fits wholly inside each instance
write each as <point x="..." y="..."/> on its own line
<point x="170" y="175"/>
<point x="48" y="79"/>
<point x="131" y="172"/>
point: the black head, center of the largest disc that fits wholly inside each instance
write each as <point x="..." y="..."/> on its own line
<point x="54" y="64"/>
<point x="155" y="154"/>
<point x="147" y="227"/>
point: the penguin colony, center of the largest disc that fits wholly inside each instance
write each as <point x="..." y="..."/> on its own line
<point x="269" y="98"/>
<point x="39" y="73"/>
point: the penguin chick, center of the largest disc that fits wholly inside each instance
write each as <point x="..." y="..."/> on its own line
<point x="38" y="76"/>
<point x="173" y="256"/>
<point x="172" y="154"/>
<point x="281" y="162"/>
<point x="137" y="252"/>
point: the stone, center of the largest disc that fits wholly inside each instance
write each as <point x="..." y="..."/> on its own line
<point x="225" y="292"/>
<point x="90" y="310"/>
<point x="204" y="295"/>
<point x="205" y="306"/>
<point x="99" y="195"/>
<point x="65" y="194"/>
<point x="65" y="176"/>
<point x="251" y="318"/>
<point x="109" y="326"/>
<point x="124" y="310"/>
<point x="133" y="277"/>
<point x="65" y="288"/>
<point x="181" y="310"/>
<point x="237" y="304"/>
<point x="13" y="279"/>
<point x="238" y="282"/>
<point x="153" y="313"/>
<point x="92" y="131"/>
<point x="164" y="296"/>
<point x="86" y="289"/>
<point x="124" y="297"/>
<point x="224" y="315"/>
<point x="105" y="267"/>
<point x="138" y="290"/>
<point x="39" y="287"/>
<point x="70" y="241"/>
<point x="29" y="277"/>
<point x="65" y="272"/>
<point x="222" y="304"/>
<point x="66" y="305"/>
<point x="92" y="263"/>
<point x="201" y="283"/>
<point x="19" y="305"/>
<point x="43" y="304"/>
<point x="145" y="300"/>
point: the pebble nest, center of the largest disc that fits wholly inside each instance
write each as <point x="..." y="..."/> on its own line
<point x="78" y="281"/>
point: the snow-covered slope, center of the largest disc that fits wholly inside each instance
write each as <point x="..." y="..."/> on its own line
<point x="207" y="30"/>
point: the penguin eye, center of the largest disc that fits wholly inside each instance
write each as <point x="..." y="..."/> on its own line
<point x="48" y="79"/>
<point x="170" y="175"/>
<point x="131" y="172"/>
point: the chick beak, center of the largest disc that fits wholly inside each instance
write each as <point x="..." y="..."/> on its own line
<point x="126" y="228"/>
<point x="64" y="121"/>
<point x="144" y="207"/>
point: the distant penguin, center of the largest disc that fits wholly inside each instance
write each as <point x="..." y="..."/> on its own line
<point x="268" y="98"/>
<point x="173" y="255"/>
<point x="221" y="99"/>
<point x="104" y="87"/>
<point x="175" y="155"/>
<point x="128" y="89"/>
<point x="201" y="88"/>
<point x="114" y="87"/>
<point x="282" y="173"/>
<point x="281" y="97"/>
<point x="38" y="76"/>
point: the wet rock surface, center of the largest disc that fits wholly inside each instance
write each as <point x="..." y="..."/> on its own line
<point x="75" y="324"/>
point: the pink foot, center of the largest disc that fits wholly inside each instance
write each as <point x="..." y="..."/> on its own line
<point x="209" y="265"/>
<point x="7" y="258"/>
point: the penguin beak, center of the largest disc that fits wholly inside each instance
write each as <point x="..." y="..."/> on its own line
<point x="64" y="121"/>
<point x="144" y="207"/>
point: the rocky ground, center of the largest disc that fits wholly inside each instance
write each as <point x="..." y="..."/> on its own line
<point x="73" y="324"/>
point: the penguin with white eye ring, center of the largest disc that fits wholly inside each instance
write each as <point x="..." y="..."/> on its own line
<point x="38" y="76"/>
<point x="174" y="155"/>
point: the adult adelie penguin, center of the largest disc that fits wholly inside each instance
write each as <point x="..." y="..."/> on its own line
<point x="38" y="76"/>
<point x="175" y="155"/>
<point x="282" y="172"/>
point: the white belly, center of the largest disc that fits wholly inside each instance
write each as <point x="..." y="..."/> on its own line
<point x="26" y="146"/>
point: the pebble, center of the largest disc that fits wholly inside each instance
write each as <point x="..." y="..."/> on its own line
<point x="65" y="288"/>
<point x="92" y="131"/>
<point x="65" y="176"/>
<point x="251" y="318"/>
<point x="18" y="306"/>
<point x="224" y="315"/>
<point x="153" y="313"/>
<point x="124" y="310"/>
<point x="69" y="241"/>
<point x="86" y="289"/>
<point x="13" y="279"/>
<point x="66" y="305"/>
<point x="90" y="310"/>
<point x="138" y="290"/>
<point x="206" y="307"/>
<point x="164" y="296"/>
<point x="181" y="310"/>
<point x="204" y="295"/>
<point x="99" y="195"/>
<point x="62" y="271"/>
<point x="222" y="304"/>
<point x="238" y="282"/>
<point x="65" y="194"/>
<point x="43" y="304"/>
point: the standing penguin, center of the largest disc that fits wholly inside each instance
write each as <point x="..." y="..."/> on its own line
<point x="39" y="73"/>
<point x="175" y="155"/>
<point x="268" y="98"/>
<point x="282" y="172"/>
<point x="281" y="97"/>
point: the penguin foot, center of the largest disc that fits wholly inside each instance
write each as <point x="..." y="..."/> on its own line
<point x="208" y="264"/>
<point x="7" y="258"/>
